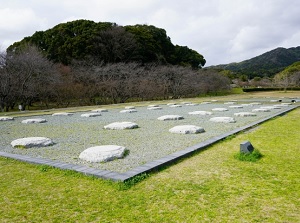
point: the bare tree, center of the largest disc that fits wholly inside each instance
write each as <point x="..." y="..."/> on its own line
<point x="30" y="75"/>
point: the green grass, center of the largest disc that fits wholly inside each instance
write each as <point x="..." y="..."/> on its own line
<point x="250" y="157"/>
<point x="211" y="186"/>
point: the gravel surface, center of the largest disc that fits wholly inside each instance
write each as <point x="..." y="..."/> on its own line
<point x="152" y="140"/>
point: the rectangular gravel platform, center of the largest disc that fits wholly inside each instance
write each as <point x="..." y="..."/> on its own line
<point x="146" y="168"/>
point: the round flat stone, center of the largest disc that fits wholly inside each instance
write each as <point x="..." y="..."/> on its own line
<point x="62" y="114"/>
<point x="100" y="110"/>
<point x="200" y="113"/>
<point x="280" y="105"/>
<point x="230" y="103"/>
<point x="220" y="109"/>
<point x="186" y="129"/>
<point x="191" y="104"/>
<point x="34" y="120"/>
<point x="236" y="106"/>
<point x="244" y="114"/>
<point x="93" y="114"/>
<point x="128" y="111"/>
<point x="32" y="142"/>
<point x="170" y="117"/>
<point x="154" y="108"/>
<point x="121" y="125"/>
<point x="6" y="118"/>
<point x="175" y="106"/>
<point x="102" y="153"/>
<point x="222" y="119"/>
<point x="261" y="110"/>
<point x="270" y="107"/>
<point x="286" y="103"/>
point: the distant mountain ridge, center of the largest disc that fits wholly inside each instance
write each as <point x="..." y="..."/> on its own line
<point x="267" y="64"/>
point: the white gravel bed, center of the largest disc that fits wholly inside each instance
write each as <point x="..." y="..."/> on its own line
<point x="152" y="140"/>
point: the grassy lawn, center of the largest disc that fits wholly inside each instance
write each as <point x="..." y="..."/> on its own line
<point x="211" y="186"/>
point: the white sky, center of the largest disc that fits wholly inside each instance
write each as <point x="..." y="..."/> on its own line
<point x="223" y="31"/>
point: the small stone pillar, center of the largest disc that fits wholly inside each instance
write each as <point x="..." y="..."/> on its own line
<point x="246" y="147"/>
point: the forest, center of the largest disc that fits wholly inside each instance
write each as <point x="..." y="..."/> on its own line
<point x="29" y="78"/>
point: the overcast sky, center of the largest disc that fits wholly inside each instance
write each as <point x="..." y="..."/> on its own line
<point x="223" y="31"/>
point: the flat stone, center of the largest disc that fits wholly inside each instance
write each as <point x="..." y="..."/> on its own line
<point x="121" y="125"/>
<point x="245" y="114"/>
<point x="205" y="103"/>
<point x="286" y="103"/>
<point x="270" y="107"/>
<point x="103" y="153"/>
<point x="34" y="120"/>
<point x="230" y="103"/>
<point x="170" y="117"/>
<point x="200" y="113"/>
<point x="100" y="110"/>
<point x="151" y="106"/>
<point x="175" y="106"/>
<point x="235" y="106"/>
<point x="32" y="142"/>
<point x="171" y="104"/>
<point x="186" y="129"/>
<point x="6" y="118"/>
<point x="280" y="105"/>
<point x="62" y="114"/>
<point x="154" y="108"/>
<point x="261" y="110"/>
<point x="222" y="119"/>
<point x="191" y="104"/>
<point x="220" y="109"/>
<point x="186" y="102"/>
<point x="93" y="114"/>
<point x="128" y="111"/>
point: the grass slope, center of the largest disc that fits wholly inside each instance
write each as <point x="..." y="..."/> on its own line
<point x="211" y="186"/>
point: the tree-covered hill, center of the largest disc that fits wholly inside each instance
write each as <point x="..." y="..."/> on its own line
<point x="267" y="64"/>
<point x="109" y="43"/>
